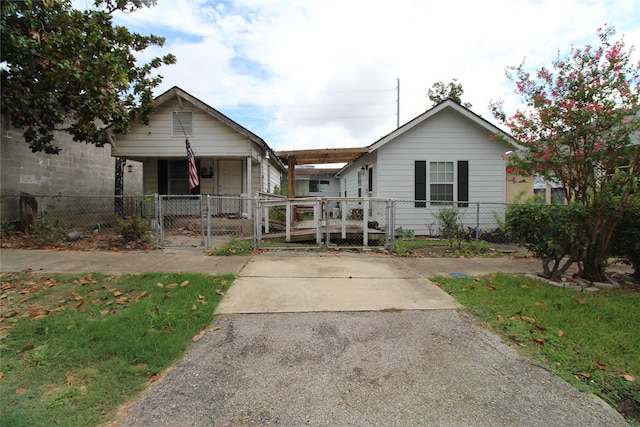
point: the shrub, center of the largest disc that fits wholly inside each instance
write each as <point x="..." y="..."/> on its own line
<point x="450" y="227"/>
<point x="135" y="229"/>
<point x="551" y="232"/>
<point x="625" y="242"/>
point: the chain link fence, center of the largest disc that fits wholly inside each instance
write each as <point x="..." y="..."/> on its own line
<point x="269" y="221"/>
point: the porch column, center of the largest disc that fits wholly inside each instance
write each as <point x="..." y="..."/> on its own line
<point x="291" y="176"/>
<point x="248" y="177"/>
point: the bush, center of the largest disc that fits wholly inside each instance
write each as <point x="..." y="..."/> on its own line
<point x="551" y="232"/>
<point x="135" y="229"/>
<point x="450" y="227"/>
<point x="625" y="242"/>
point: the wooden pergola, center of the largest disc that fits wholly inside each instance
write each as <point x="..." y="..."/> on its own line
<point x="314" y="157"/>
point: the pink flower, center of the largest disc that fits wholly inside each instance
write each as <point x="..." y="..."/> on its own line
<point x="546" y="157"/>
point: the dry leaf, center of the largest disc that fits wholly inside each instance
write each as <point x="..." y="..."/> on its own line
<point x="521" y="344"/>
<point x="477" y="279"/>
<point x="500" y="318"/>
<point x="219" y="292"/>
<point x="528" y="319"/>
<point x="183" y="284"/>
<point x="141" y="295"/>
<point x="491" y="288"/>
<point x="80" y="304"/>
<point x="538" y="341"/>
<point x="223" y="283"/>
<point x="1" y="374"/>
<point x="141" y="366"/>
<point x="628" y="377"/>
<point x="117" y="294"/>
<point x="213" y="329"/>
<point x="198" y="337"/>
<point x="172" y="285"/>
<point x="600" y="366"/>
<point x="584" y="374"/>
<point x="160" y="285"/>
<point x="560" y="332"/>
<point x="22" y="391"/>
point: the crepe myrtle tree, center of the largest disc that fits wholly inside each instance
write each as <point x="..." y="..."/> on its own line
<point x="581" y="128"/>
<point x="64" y="69"/>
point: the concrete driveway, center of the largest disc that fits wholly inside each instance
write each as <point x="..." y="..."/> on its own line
<point x="355" y="340"/>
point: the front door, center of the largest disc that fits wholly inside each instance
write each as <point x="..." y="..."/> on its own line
<point x="230" y="177"/>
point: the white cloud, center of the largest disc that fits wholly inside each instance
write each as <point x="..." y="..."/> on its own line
<point x="313" y="74"/>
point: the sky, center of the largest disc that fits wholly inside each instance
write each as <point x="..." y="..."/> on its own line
<point x="305" y="74"/>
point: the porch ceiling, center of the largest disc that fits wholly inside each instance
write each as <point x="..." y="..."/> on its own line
<point x="321" y="156"/>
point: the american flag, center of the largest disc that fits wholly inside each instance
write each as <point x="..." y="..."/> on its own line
<point x="193" y="172"/>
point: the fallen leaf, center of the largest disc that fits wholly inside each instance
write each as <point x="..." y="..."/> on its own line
<point x="117" y="294"/>
<point x="223" y="283"/>
<point x="198" y="337"/>
<point x="584" y="374"/>
<point x="542" y="306"/>
<point x="477" y="279"/>
<point x="160" y="285"/>
<point x="213" y="329"/>
<point x="140" y="366"/>
<point x="22" y="391"/>
<point x="219" y="292"/>
<point x="183" y="284"/>
<point x="154" y="377"/>
<point x="521" y="344"/>
<point x="628" y="377"/>
<point x="538" y="341"/>
<point x="80" y="304"/>
<point x="560" y="332"/>
<point x="500" y="318"/>
<point x="172" y="285"/>
<point x="141" y="295"/>
<point x="528" y="319"/>
<point x="491" y="288"/>
<point x="600" y="366"/>
<point x="1" y="374"/>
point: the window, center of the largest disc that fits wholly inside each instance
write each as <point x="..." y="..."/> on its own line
<point x="182" y="123"/>
<point x="557" y="196"/>
<point x="441" y="181"/>
<point x="317" y="186"/>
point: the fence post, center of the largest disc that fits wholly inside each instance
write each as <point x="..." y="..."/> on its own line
<point x="208" y="222"/>
<point x="391" y="234"/>
<point x="365" y="222"/>
<point x="288" y="220"/>
<point x="477" y="224"/>
<point x="257" y="219"/>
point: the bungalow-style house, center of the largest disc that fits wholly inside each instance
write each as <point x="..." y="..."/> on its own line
<point x="447" y="156"/>
<point x="230" y="160"/>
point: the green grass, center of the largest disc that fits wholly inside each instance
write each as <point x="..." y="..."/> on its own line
<point x="78" y="347"/>
<point x="440" y="248"/>
<point x="233" y="247"/>
<point x="590" y="340"/>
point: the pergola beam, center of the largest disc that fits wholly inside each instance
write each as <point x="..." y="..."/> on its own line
<point x="315" y="157"/>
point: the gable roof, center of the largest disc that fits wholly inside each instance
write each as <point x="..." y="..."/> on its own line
<point x="181" y="95"/>
<point x="176" y="92"/>
<point x="446" y="104"/>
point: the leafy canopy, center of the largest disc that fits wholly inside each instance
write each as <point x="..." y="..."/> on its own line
<point x="581" y="128"/>
<point x="452" y="90"/>
<point x="69" y="70"/>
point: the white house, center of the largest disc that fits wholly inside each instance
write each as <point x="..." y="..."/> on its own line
<point x="447" y="156"/>
<point x="230" y="159"/>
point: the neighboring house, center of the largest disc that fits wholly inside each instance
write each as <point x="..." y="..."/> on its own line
<point x="317" y="182"/>
<point x="447" y="156"/>
<point x="231" y="160"/>
<point x="79" y="169"/>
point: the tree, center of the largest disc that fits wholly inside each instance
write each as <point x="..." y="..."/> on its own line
<point x="578" y="129"/>
<point x="453" y="90"/>
<point x="69" y="70"/>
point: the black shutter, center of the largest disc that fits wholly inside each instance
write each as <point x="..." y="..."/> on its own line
<point x="163" y="177"/>
<point x="370" y="186"/>
<point x="463" y="183"/>
<point x="420" y="183"/>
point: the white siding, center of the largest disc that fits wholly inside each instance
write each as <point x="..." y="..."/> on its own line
<point x="210" y="137"/>
<point x="448" y="137"/>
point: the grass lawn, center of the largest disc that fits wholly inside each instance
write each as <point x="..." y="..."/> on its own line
<point x="76" y="347"/>
<point x="592" y="340"/>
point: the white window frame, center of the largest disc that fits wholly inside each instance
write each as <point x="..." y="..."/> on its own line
<point x="441" y="177"/>
<point x="186" y="119"/>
